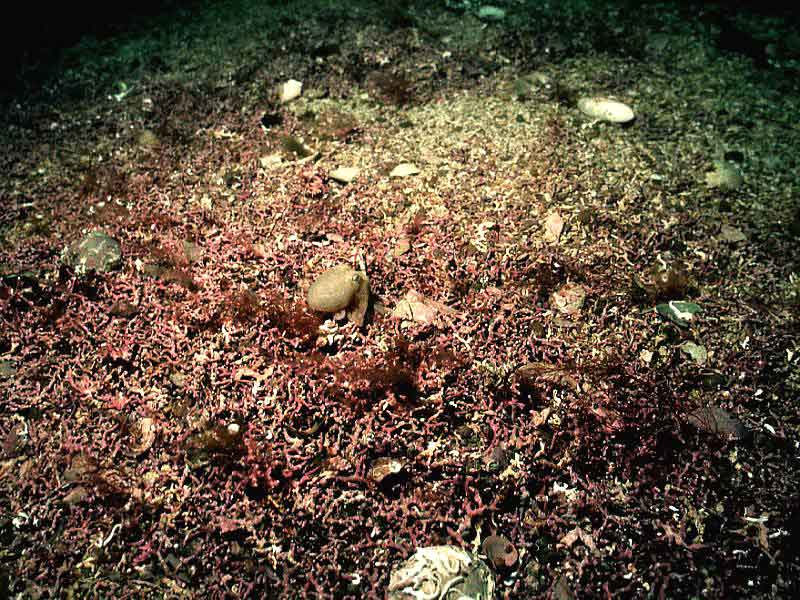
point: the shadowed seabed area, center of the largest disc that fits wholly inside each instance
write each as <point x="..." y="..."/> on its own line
<point x="333" y="299"/>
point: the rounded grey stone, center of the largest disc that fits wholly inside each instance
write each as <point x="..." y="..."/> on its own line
<point x="334" y="289"/>
<point x="96" y="251"/>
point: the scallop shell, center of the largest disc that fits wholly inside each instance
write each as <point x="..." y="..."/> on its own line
<point x="606" y="109"/>
<point x="144" y="434"/>
<point x="96" y="251"/>
<point x="725" y="176"/>
<point x="404" y="170"/>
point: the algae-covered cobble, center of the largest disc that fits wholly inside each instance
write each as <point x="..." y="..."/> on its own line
<point x="96" y="251"/>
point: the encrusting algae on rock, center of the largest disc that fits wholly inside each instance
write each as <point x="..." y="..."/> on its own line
<point x="96" y="251"/>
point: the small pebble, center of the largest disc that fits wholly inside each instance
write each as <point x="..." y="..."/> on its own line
<point x="344" y="174"/>
<point x="290" y="90"/>
<point x="605" y="109"/>
<point x="404" y="170"/>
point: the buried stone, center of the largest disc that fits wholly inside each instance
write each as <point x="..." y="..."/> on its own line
<point x="96" y="251"/>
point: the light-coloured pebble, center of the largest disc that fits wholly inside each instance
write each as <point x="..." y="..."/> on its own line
<point x="404" y="170"/>
<point x="290" y="90"/>
<point x="605" y="109"/>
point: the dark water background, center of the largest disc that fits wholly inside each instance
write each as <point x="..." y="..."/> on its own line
<point x="33" y="37"/>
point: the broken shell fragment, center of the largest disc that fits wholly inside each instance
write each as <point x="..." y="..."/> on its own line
<point x="344" y="174"/>
<point x="334" y="289"/>
<point x="290" y="90"/>
<point x="441" y="572"/>
<point x="725" y="176"/>
<point x="404" y="170"/>
<point x="416" y="307"/>
<point x="605" y="109"/>
<point x="553" y="226"/>
<point x="383" y="467"/>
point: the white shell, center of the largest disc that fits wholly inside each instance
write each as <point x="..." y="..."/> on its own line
<point x="290" y="90"/>
<point x="404" y="170"/>
<point x="606" y="109"/>
<point x="441" y="573"/>
<point x="491" y="13"/>
<point x="344" y="174"/>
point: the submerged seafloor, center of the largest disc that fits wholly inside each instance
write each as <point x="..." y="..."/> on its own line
<point x="181" y="425"/>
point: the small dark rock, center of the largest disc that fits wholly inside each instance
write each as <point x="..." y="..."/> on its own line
<point x="719" y="421"/>
<point x="734" y="156"/>
<point x="497" y="459"/>
<point x="123" y="308"/>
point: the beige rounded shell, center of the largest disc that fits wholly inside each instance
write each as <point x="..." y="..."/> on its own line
<point x="441" y="573"/>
